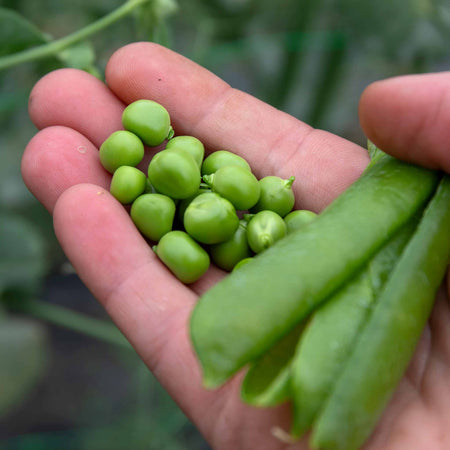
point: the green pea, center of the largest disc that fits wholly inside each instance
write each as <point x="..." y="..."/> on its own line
<point x="189" y="144"/>
<point x="210" y="218"/>
<point x="121" y="148"/>
<point x="184" y="203"/>
<point x="149" y="120"/>
<point x="241" y="263"/>
<point x="127" y="184"/>
<point x="184" y="257"/>
<point x="227" y="254"/>
<point x="264" y="229"/>
<point x="153" y="215"/>
<point x="276" y="195"/>
<point x="174" y="173"/>
<point x="221" y="158"/>
<point x="298" y="219"/>
<point x="236" y="184"/>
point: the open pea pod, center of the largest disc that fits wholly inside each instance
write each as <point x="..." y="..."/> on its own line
<point x="244" y="314"/>
<point x="267" y="382"/>
<point x="328" y="340"/>
<point x="388" y="340"/>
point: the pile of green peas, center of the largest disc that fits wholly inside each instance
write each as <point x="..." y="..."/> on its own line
<point x="193" y="208"/>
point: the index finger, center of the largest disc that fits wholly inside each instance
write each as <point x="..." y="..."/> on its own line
<point x="203" y="105"/>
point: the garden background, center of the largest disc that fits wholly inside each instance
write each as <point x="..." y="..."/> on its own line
<point x="68" y="379"/>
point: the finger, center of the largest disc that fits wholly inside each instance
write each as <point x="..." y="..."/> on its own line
<point x="409" y="117"/>
<point x="75" y="99"/>
<point x="57" y="158"/>
<point x="272" y="141"/>
<point x="203" y="105"/>
<point x="149" y="306"/>
<point x="114" y="260"/>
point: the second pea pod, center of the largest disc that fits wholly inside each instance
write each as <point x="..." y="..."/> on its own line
<point x="303" y="268"/>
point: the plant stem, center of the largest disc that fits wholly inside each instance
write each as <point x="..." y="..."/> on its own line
<point x="54" y="47"/>
<point x="72" y="320"/>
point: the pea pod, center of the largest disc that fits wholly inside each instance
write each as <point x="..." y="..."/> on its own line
<point x="388" y="341"/>
<point x="267" y="382"/>
<point x="237" y="320"/>
<point x="331" y="333"/>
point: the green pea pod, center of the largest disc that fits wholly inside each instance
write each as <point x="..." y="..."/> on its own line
<point x="331" y="333"/>
<point x="244" y="314"/>
<point x="267" y="382"/>
<point x="324" y="347"/>
<point x="389" y="339"/>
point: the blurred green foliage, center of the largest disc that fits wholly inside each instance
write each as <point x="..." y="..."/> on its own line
<point x="311" y="58"/>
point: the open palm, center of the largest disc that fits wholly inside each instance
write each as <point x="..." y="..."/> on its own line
<point x="75" y="112"/>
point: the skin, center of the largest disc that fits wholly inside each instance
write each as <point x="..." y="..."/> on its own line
<point x="406" y="116"/>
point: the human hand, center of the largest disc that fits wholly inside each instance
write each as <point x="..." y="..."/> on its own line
<point x="75" y="112"/>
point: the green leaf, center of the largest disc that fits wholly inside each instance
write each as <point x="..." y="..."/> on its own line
<point x="22" y="253"/>
<point x="17" y="33"/>
<point x="23" y="358"/>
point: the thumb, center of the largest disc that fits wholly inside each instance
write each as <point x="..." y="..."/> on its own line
<point x="409" y="118"/>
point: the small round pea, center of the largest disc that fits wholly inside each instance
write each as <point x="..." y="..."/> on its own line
<point x="276" y="195"/>
<point x="236" y="184"/>
<point x="298" y="219"/>
<point x="127" y="184"/>
<point x="184" y="257"/>
<point x="264" y="229"/>
<point x="210" y="218"/>
<point x="174" y="173"/>
<point x="242" y="262"/>
<point x="184" y="203"/>
<point x="189" y="144"/>
<point x="149" y="120"/>
<point x="227" y="254"/>
<point x="153" y="215"/>
<point x="121" y="148"/>
<point x="216" y="160"/>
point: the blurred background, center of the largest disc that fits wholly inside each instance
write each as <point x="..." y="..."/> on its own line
<point x="67" y="377"/>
